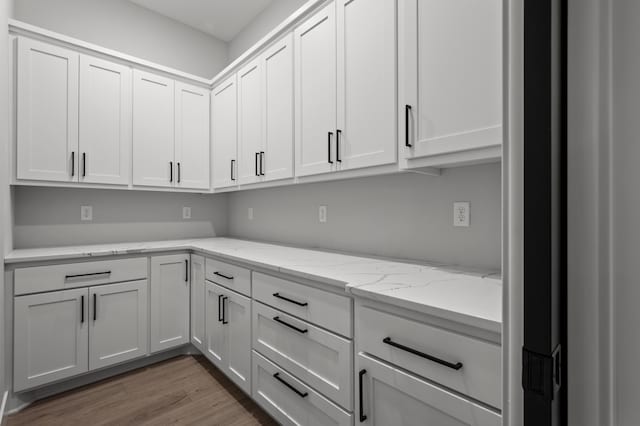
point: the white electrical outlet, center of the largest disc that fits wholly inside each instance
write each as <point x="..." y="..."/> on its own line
<point x="322" y="214"/>
<point x="86" y="212"/>
<point x="461" y="214"/>
<point x="186" y="212"/>
<point x="250" y="213"/>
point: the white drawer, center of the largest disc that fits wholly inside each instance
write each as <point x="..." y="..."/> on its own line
<point x="71" y="275"/>
<point x="320" y="359"/>
<point x="230" y="276"/>
<point x="479" y="362"/>
<point x="290" y="401"/>
<point x="325" y="309"/>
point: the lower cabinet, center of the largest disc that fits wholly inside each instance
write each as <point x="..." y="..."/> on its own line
<point x="169" y="301"/>
<point x="228" y="333"/>
<point x="389" y="396"/>
<point x="197" y="301"/>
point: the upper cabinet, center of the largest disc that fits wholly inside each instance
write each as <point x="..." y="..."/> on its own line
<point x="224" y="117"/>
<point x="250" y="127"/>
<point x="450" y="82"/>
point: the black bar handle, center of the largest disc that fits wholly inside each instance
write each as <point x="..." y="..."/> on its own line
<point x="179" y="172"/>
<point x="456" y="366"/>
<point x="407" y="112"/>
<point x="82" y="309"/>
<point x="95" y="307"/>
<point x="170" y="171"/>
<point x="219" y="309"/>
<point x="84" y="164"/>
<point x="261" y="163"/>
<point x="228" y="277"/>
<point x="338" y="133"/>
<point x="363" y="417"/>
<point x="232" y="163"/>
<point x="224" y="312"/>
<point x="329" y="147"/>
<point x="66" y="277"/>
<point x="73" y="163"/>
<point x="257" y="154"/>
<point x="299" y="330"/>
<point x="186" y="270"/>
<point x="281" y="380"/>
<point x="290" y="300"/>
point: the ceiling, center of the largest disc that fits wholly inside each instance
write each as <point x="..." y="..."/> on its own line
<point x="223" y="19"/>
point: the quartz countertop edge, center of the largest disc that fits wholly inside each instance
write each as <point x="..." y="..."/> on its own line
<point x="467" y="297"/>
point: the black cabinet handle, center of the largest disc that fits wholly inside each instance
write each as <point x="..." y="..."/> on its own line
<point x="257" y="154"/>
<point x="338" y="133"/>
<point x="329" y="147"/>
<point x="281" y="380"/>
<point x="170" y="171"/>
<point x="228" y="277"/>
<point x="95" y="307"/>
<point x="73" y="163"/>
<point x="179" y="173"/>
<point x="290" y="300"/>
<point x="82" y="309"/>
<point x="407" y="112"/>
<point x="456" y="366"/>
<point x="261" y="163"/>
<point x="66" y="277"/>
<point x="186" y="270"/>
<point x="84" y="164"/>
<point x="362" y="415"/>
<point x="299" y="330"/>
<point x="219" y="309"/>
<point x="224" y="312"/>
<point x="232" y="163"/>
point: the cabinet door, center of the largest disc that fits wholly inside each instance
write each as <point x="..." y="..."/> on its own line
<point x="277" y="161"/>
<point x="197" y="301"/>
<point x="224" y="115"/>
<point x="105" y="122"/>
<point x="119" y="323"/>
<point x="392" y="397"/>
<point x="192" y="137"/>
<point x="367" y="97"/>
<point x="47" y="112"/>
<point x="250" y="130"/>
<point x="215" y="343"/>
<point x="453" y="88"/>
<point x="169" y="301"/>
<point x="153" y="130"/>
<point x="237" y="315"/>
<point x="315" y="94"/>
<point x="51" y="337"/>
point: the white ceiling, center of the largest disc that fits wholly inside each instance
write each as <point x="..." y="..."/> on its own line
<point x="223" y="19"/>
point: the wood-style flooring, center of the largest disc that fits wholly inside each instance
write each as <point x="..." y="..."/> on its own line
<point x="184" y="390"/>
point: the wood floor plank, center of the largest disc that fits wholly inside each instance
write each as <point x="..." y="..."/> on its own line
<point x="184" y="390"/>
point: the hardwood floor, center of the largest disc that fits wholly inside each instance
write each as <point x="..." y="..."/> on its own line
<point x="183" y="390"/>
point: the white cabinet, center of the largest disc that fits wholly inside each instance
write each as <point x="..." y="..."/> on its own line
<point x="153" y="130"/>
<point x="450" y="83"/>
<point x="47" y="112"/>
<point x="169" y="301"/>
<point x="315" y="93"/>
<point x="366" y="63"/>
<point x="51" y="337"/>
<point x="105" y="122"/>
<point x="389" y="396"/>
<point x="192" y="137"/>
<point x="224" y="116"/>
<point x="118" y="321"/>
<point x="197" y="302"/>
<point x="228" y="333"/>
<point x="250" y="127"/>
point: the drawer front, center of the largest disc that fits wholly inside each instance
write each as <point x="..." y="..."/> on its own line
<point x="71" y="275"/>
<point x="230" y="276"/>
<point x="320" y="359"/>
<point x="290" y="401"/>
<point x="389" y="396"/>
<point x="325" y="309"/>
<point x="392" y="338"/>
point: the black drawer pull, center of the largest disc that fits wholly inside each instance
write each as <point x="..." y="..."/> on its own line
<point x="82" y="309"/>
<point x="363" y="417"/>
<point x="170" y="171"/>
<point x="329" y="147"/>
<point x="186" y="270"/>
<point x="227" y="277"/>
<point x="232" y="164"/>
<point x="224" y="312"/>
<point x="92" y="274"/>
<point x="84" y="164"/>
<point x="73" y="163"/>
<point x="456" y="366"/>
<point x="95" y="307"/>
<point x="257" y="155"/>
<point x="179" y="173"/>
<point x="281" y="380"/>
<point x="338" y="133"/>
<point x="299" y="330"/>
<point x="219" y="309"/>
<point x="407" y="112"/>
<point x="290" y="300"/>
<point x="262" y="163"/>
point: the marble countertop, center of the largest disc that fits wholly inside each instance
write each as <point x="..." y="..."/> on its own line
<point x="469" y="297"/>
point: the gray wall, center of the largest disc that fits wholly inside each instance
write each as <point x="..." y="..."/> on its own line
<point x="129" y="28"/>
<point x="51" y="216"/>
<point x="267" y="20"/>
<point x="408" y="216"/>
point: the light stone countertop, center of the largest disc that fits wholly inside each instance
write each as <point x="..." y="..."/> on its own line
<point x="469" y="297"/>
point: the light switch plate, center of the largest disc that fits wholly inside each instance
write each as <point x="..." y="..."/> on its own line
<point x="86" y="213"/>
<point x="186" y="212"/>
<point x="322" y="214"/>
<point x="461" y="214"/>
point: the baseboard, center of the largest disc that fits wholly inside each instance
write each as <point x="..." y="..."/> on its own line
<point x="3" y="417"/>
